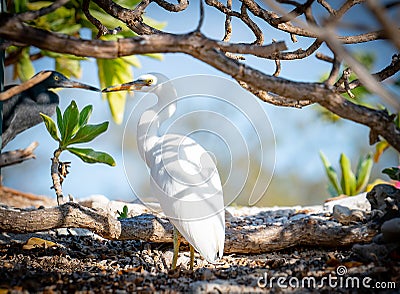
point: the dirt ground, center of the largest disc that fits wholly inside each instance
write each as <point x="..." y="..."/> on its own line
<point x="90" y="264"/>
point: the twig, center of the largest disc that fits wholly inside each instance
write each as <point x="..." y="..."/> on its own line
<point x="31" y="15"/>
<point x="17" y="156"/>
<point x="299" y="10"/>
<point x="201" y="17"/>
<point x="182" y="5"/>
<point x="55" y="176"/>
<point x="335" y="67"/>
<point x="382" y="75"/>
<point x="228" y="23"/>
<point x="327" y="6"/>
<point x="103" y="30"/>
<point x="277" y="64"/>
<point x="324" y="57"/>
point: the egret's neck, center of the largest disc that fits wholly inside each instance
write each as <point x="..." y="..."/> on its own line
<point x="152" y="119"/>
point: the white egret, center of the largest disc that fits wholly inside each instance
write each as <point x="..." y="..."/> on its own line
<point x="184" y="177"/>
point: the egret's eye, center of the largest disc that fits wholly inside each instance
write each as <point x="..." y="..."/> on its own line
<point x="150" y="82"/>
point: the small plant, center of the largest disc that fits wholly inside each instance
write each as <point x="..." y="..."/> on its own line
<point x="350" y="183"/>
<point x="393" y="173"/>
<point x="124" y="213"/>
<point x="73" y="129"/>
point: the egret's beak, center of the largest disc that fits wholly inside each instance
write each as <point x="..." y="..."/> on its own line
<point x="132" y="86"/>
<point x="72" y="84"/>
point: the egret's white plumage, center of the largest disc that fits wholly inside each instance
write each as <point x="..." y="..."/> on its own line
<point x="184" y="177"/>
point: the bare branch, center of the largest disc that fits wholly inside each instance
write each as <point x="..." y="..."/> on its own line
<point x="102" y="29"/>
<point x="182" y="5"/>
<point x="299" y="10"/>
<point x="55" y="176"/>
<point x="201" y="18"/>
<point x="300" y="53"/>
<point x="324" y="57"/>
<point x="17" y="156"/>
<point x="31" y="15"/>
<point x="252" y="25"/>
<point x="335" y="68"/>
<point x="228" y="23"/>
<point x="382" y="75"/>
<point x="327" y="6"/>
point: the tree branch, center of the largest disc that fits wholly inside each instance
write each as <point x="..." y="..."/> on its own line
<point x="17" y="156"/>
<point x="275" y="90"/>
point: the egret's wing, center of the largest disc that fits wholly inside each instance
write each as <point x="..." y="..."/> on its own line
<point x="185" y="180"/>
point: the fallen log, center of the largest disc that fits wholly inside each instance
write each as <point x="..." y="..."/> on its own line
<point x="257" y="233"/>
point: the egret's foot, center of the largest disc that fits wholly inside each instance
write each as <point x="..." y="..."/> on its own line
<point x="177" y="242"/>
<point x="191" y="257"/>
<point x="60" y="200"/>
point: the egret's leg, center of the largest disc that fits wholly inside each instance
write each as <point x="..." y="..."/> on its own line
<point x="191" y="256"/>
<point x="177" y="241"/>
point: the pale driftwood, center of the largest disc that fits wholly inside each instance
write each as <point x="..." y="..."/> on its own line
<point x="17" y="156"/>
<point x="242" y="235"/>
<point x="16" y="198"/>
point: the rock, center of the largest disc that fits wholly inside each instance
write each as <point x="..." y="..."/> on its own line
<point x="372" y="251"/>
<point x="379" y="193"/>
<point x="391" y="231"/>
<point x="345" y="215"/>
<point x="352" y="202"/>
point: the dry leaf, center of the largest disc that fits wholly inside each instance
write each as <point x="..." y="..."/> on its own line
<point x="34" y="242"/>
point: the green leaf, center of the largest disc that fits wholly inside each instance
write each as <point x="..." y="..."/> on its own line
<point x="51" y="126"/>
<point x="90" y="156"/>
<point x="88" y="132"/>
<point x="85" y="115"/>
<point x="60" y="121"/>
<point x="19" y="6"/>
<point x="131" y="60"/>
<point x="25" y="69"/>
<point x="363" y="173"/>
<point x="113" y="72"/>
<point x="348" y="180"/>
<point x="70" y="122"/>
<point x="331" y="173"/>
<point x="68" y="67"/>
<point x="380" y="147"/>
<point x="393" y="173"/>
<point x="156" y="56"/>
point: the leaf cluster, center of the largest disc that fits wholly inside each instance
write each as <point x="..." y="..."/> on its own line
<point x="393" y="173"/>
<point x="124" y="213"/>
<point x="73" y="128"/>
<point x="71" y="20"/>
<point x="350" y="183"/>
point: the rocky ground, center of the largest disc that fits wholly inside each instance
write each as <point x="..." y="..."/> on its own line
<point x="75" y="260"/>
<point x="91" y="264"/>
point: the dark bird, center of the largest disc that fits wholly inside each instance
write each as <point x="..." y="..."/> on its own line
<point x="21" y="111"/>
